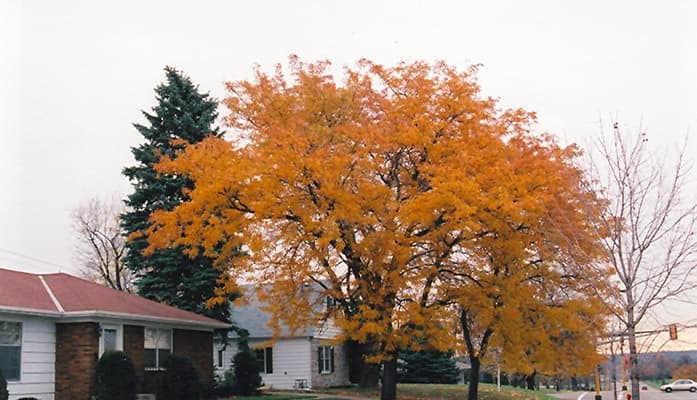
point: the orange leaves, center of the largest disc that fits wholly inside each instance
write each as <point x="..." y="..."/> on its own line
<point x="398" y="192"/>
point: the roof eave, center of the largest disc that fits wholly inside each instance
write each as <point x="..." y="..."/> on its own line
<point x="33" y="312"/>
<point x="70" y="315"/>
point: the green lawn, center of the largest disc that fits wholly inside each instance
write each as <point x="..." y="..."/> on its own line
<point x="416" y="392"/>
<point x="275" y="397"/>
<point x="445" y="392"/>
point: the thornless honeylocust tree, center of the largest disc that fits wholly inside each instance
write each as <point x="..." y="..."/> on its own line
<point x="385" y="191"/>
<point x="523" y="282"/>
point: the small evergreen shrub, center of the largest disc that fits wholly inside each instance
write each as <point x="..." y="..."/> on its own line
<point x="225" y="385"/>
<point x="116" y="377"/>
<point x="180" y="380"/>
<point x="246" y="370"/>
<point x="427" y="367"/>
<point x="4" y="394"/>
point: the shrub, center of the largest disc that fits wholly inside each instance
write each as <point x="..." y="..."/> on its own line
<point x="116" y="377"/>
<point x="427" y="367"/>
<point x="225" y="385"/>
<point x="180" y="380"/>
<point x="247" y="378"/>
<point x="4" y="394"/>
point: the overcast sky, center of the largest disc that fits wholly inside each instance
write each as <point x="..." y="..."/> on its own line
<point x="74" y="76"/>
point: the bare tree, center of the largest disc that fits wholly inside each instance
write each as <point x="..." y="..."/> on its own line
<point x="650" y="228"/>
<point x="100" y="245"/>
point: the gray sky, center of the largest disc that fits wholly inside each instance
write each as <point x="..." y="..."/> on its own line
<point x="74" y="76"/>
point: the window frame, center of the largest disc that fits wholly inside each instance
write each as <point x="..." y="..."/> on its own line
<point x="266" y="359"/>
<point x="325" y="360"/>
<point x="21" y="346"/>
<point x="119" y="337"/>
<point x="158" y="366"/>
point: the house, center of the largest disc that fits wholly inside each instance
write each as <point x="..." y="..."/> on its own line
<point x="305" y="359"/>
<point x="54" y="327"/>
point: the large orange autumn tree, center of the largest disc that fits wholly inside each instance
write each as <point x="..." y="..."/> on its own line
<point x="525" y="286"/>
<point x="377" y="191"/>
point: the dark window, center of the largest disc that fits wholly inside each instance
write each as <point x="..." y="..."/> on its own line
<point x="325" y="358"/>
<point x="158" y="347"/>
<point x="264" y="360"/>
<point x="220" y="358"/>
<point x="10" y="349"/>
<point x="150" y="358"/>
<point x="331" y="303"/>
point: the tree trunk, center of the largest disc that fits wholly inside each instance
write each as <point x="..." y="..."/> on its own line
<point x="633" y="363"/>
<point x="474" y="378"/>
<point x="530" y="380"/>
<point x="631" y="336"/>
<point x="389" y="380"/>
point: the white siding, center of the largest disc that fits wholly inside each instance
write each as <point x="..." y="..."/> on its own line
<point x="37" y="375"/>
<point x="291" y="361"/>
<point x="328" y="330"/>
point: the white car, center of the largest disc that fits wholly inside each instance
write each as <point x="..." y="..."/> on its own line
<point x="680" y="384"/>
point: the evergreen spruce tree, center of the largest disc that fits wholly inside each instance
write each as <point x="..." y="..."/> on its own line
<point x="169" y="275"/>
<point x="427" y="367"/>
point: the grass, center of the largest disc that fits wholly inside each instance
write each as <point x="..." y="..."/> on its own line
<point x="445" y="392"/>
<point x="282" y="397"/>
<point x="415" y="392"/>
<point x="274" y="397"/>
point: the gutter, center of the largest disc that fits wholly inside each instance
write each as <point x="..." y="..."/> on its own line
<point x="135" y="317"/>
<point x="31" y="312"/>
<point x="69" y="316"/>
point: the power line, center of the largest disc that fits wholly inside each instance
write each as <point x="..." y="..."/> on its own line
<point x="14" y="253"/>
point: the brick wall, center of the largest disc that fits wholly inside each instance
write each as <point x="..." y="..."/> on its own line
<point x="197" y="346"/>
<point x="340" y="376"/>
<point x="133" y="344"/>
<point x="77" y="348"/>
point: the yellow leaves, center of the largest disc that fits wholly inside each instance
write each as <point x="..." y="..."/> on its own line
<point x="400" y="191"/>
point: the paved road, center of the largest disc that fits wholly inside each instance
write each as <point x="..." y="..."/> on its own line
<point x="649" y="394"/>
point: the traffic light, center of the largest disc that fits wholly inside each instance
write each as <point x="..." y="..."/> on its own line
<point x="673" y="330"/>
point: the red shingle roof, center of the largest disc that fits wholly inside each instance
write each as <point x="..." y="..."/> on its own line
<point x="78" y="297"/>
<point x="22" y="290"/>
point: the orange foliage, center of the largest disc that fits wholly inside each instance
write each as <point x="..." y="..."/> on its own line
<point x="685" y="372"/>
<point x="395" y="192"/>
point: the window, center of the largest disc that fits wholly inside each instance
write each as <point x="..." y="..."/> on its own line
<point x="220" y="358"/>
<point x="10" y="349"/>
<point x="265" y="360"/>
<point x="158" y="347"/>
<point x="331" y="303"/>
<point x="325" y="357"/>
<point x="110" y="338"/>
